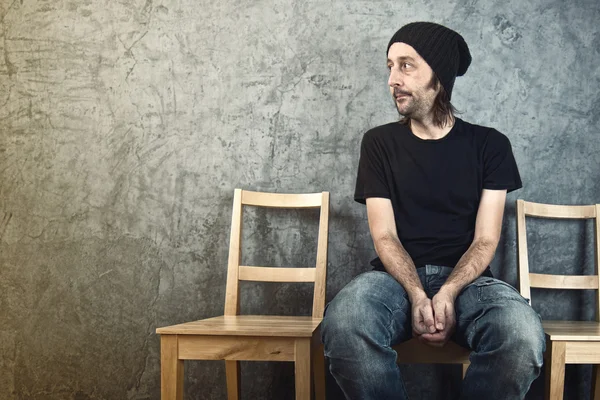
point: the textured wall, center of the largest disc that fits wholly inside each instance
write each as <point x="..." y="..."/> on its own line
<point x="127" y="124"/>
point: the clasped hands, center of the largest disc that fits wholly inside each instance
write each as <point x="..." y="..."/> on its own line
<point x="433" y="320"/>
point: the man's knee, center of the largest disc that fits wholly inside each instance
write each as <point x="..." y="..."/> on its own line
<point x="515" y="331"/>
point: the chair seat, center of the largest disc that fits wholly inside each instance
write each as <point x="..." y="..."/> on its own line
<point x="247" y="325"/>
<point x="417" y="352"/>
<point x="572" y="330"/>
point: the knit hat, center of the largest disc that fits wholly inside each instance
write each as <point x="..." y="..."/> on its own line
<point x="443" y="49"/>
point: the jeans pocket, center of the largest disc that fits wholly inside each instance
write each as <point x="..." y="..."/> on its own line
<point x="492" y="289"/>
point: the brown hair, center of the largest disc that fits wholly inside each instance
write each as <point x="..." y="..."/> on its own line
<point x="443" y="110"/>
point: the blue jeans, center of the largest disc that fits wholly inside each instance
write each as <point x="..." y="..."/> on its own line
<point x="373" y="312"/>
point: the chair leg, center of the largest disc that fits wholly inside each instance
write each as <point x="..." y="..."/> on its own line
<point x="171" y="369"/>
<point x="555" y="371"/>
<point x="465" y="367"/>
<point x="596" y="382"/>
<point x="319" y="372"/>
<point x="302" y="364"/>
<point x="232" y="372"/>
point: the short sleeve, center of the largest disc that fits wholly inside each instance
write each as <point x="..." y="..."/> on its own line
<point x="500" y="169"/>
<point x="371" y="178"/>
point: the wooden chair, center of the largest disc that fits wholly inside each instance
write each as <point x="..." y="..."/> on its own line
<point x="233" y="337"/>
<point x="567" y="342"/>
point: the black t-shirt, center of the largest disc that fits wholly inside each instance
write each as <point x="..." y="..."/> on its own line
<point x="434" y="185"/>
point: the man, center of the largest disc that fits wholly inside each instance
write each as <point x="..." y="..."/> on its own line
<point x="435" y="189"/>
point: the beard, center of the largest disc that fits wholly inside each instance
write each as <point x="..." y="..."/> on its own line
<point x="412" y="106"/>
<point x="406" y="105"/>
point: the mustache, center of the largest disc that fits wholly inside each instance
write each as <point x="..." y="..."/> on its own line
<point x="398" y="92"/>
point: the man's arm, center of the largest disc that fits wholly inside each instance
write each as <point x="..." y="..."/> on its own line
<point x="397" y="262"/>
<point x="471" y="265"/>
<point x="480" y="254"/>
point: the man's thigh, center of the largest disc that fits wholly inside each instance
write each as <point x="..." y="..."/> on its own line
<point x="372" y="301"/>
<point x="490" y="303"/>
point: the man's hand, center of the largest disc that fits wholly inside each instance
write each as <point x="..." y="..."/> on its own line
<point x="422" y="316"/>
<point x="445" y="321"/>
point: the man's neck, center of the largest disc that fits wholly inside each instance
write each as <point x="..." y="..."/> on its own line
<point x="427" y="130"/>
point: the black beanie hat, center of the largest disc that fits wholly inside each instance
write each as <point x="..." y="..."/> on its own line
<point x="443" y="49"/>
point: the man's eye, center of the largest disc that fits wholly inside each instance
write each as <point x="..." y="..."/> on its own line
<point x="406" y="65"/>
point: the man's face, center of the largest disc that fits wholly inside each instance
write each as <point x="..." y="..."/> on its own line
<point x="411" y="81"/>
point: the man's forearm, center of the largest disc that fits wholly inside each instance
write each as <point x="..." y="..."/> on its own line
<point x="470" y="266"/>
<point x="398" y="263"/>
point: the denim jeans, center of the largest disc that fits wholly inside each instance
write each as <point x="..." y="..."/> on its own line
<point x="373" y="312"/>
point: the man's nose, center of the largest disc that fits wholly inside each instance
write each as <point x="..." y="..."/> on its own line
<point x="395" y="78"/>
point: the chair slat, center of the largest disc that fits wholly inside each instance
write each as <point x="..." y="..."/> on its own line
<point x="236" y="348"/>
<point x="522" y="256"/>
<point x="321" y="267"/>
<point x="572" y="330"/>
<point x="550" y="281"/>
<point x="276" y="274"/>
<point x="559" y="211"/>
<point x="281" y="200"/>
<point x="597" y="264"/>
<point x="232" y="298"/>
<point x="587" y="352"/>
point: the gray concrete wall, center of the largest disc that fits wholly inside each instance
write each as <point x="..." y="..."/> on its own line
<point x="126" y="125"/>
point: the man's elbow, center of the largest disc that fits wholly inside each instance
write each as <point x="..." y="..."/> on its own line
<point x="487" y="243"/>
<point x="383" y="240"/>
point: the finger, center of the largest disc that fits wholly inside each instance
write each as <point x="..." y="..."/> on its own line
<point x="416" y="332"/>
<point x="432" y="340"/>
<point x="439" y="310"/>
<point x="427" y="313"/>
<point x="434" y="337"/>
<point x="417" y="323"/>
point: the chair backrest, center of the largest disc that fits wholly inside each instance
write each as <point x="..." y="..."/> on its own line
<point x="237" y="272"/>
<point x="527" y="279"/>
